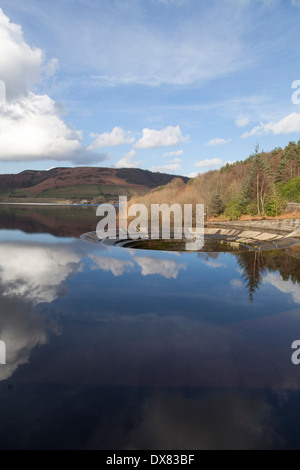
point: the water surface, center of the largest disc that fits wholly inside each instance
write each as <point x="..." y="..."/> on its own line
<point x="113" y="348"/>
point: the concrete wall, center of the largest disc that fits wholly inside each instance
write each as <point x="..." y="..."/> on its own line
<point x="284" y="226"/>
<point x="292" y="207"/>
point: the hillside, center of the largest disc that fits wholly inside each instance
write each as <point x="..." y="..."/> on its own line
<point x="76" y="184"/>
<point x="261" y="185"/>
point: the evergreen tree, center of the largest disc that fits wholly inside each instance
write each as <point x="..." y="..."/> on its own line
<point x="215" y="206"/>
<point x="259" y="182"/>
<point x="281" y="169"/>
<point x="289" y="165"/>
<point x="252" y="264"/>
<point x="245" y="199"/>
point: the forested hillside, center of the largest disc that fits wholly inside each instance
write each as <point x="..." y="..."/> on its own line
<point x="261" y="185"/>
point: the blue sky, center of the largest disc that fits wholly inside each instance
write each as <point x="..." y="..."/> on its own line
<point x="180" y="86"/>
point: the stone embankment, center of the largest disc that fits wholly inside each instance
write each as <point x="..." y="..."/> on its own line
<point x="286" y="227"/>
<point x="292" y="207"/>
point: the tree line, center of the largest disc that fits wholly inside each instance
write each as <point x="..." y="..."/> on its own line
<point x="261" y="185"/>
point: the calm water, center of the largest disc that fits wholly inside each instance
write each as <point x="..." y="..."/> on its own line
<point x="109" y="348"/>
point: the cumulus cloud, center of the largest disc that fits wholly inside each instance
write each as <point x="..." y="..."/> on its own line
<point x="128" y="160"/>
<point x="21" y="66"/>
<point x="116" y="266"/>
<point x="21" y="330"/>
<point x="214" y="162"/>
<point x="150" y="266"/>
<point x="111" y="139"/>
<point x="287" y="125"/>
<point x="167" y="137"/>
<point x="287" y="287"/>
<point x="36" y="272"/>
<point x="31" y="126"/>
<point x="171" y="168"/>
<point x="32" y="129"/>
<point x="218" y="141"/>
<point x="169" y="269"/>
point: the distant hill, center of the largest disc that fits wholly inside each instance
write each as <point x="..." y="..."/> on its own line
<point x="77" y="184"/>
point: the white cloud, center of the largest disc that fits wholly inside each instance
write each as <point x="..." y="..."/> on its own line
<point x="242" y="122"/>
<point x="287" y="125"/>
<point x="214" y="162"/>
<point x="128" y="162"/>
<point x="287" y="287"/>
<point x="21" y="330"/>
<point x="218" y="141"/>
<point x="167" y="137"/>
<point x="116" y="266"/>
<point x="194" y="174"/>
<point x="21" y="66"/>
<point x="166" y="268"/>
<point x="177" y="153"/>
<point x="171" y="167"/>
<point x="31" y="127"/>
<point x="111" y="139"/>
<point x="214" y="264"/>
<point x="36" y="272"/>
<point x="150" y="266"/>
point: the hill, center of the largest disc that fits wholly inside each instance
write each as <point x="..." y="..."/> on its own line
<point x="76" y="184"/>
<point x="260" y="185"/>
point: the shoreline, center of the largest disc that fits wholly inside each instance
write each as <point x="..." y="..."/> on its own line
<point x="47" y="204"/>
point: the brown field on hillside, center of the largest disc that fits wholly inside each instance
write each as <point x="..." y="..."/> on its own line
<point x="80" y="176"/>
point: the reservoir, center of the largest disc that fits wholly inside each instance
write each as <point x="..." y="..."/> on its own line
<point x="129" y="348"/>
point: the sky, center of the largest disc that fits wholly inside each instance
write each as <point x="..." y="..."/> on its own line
<point x="176" y="86"/>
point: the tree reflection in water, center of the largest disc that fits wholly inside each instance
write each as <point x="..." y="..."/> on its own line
<point x="254" y="264"/>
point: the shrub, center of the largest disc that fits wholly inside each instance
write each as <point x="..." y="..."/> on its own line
<point x="160" y="188"/>
<point x="252" y="209"/>
<point x="275" y="206"/>
<point x="233" y="211"/>
<point x="291" y="190"/>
